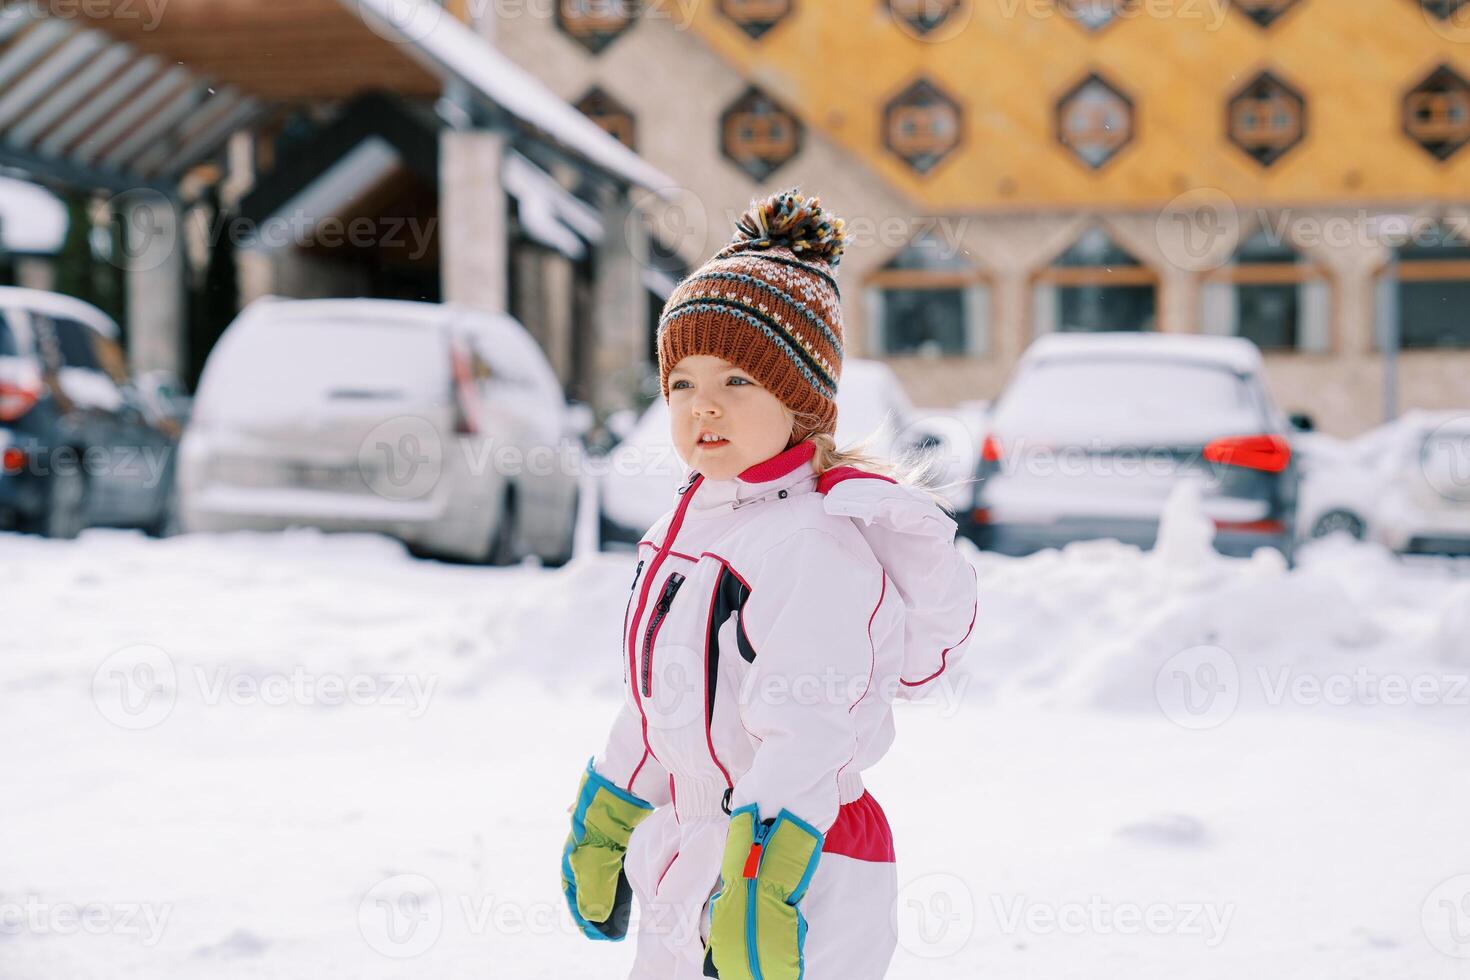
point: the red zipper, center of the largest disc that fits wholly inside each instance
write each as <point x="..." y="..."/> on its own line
<point x="631" y="640"/>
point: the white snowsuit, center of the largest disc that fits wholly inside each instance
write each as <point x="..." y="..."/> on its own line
<point x="772" y="619"/>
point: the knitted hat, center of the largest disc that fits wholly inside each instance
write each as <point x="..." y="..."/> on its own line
<point x="768" y="303"/>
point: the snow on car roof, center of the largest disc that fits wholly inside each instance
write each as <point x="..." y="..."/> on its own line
<point x="1236" y="353"/>
<point x="58" y="304"/>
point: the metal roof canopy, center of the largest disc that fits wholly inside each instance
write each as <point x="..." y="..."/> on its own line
<point x="93" y="95"/>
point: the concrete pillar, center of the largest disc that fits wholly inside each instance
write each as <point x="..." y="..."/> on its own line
<point x="473" y="227"/>
<point x="154" y="266"/>
<point x="558" y="306"/>
<point x="619" y="308"/>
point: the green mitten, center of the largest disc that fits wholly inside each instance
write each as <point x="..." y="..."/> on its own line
<point x="757" y="930"/>
<point x="592" y="876"/>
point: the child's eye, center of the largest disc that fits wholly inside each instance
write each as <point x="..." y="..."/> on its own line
<point x="677" y="384"/>
<point x="736" y="377"/>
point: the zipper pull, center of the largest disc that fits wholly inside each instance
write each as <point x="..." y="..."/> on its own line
<point x="667" y="597"/>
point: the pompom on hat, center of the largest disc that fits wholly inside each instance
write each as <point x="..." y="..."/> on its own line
<point x="768" y="302"/>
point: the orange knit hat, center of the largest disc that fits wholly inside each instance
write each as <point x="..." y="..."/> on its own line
<point x="768" y="303"/>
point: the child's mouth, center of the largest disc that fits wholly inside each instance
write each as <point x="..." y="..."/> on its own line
<point x="713" y="444"/>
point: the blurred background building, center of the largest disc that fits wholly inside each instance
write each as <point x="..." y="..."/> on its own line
<point x="1289" y="171"/>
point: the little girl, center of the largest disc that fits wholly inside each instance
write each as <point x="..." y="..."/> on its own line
<point x="791" y="593"/>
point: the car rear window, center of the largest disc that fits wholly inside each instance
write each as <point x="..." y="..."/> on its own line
<point x="1128" y="401"/>
<point x="281" y="365"/>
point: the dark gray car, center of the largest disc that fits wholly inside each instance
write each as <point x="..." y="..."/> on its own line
<point x="1094" y="432"/>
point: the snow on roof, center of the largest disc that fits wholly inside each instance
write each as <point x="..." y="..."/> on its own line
<point x="57" y="304"/>
<point x="1236" y="353"/>
<point x="32" y="219"/>
<point x="549" y="213"/>
<point x="448" y="47"/>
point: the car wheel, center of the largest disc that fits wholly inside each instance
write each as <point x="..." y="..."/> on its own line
<point x="1339" y="520"/>
<point x="66" y="504"/>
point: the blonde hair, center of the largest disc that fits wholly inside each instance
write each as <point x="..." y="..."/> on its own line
<point x="910" y="468"/>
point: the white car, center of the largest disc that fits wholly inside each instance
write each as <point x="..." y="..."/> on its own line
<point x="1424" y="507"/>
<point x="441" y="426"/>
<point x="643" y="470"/>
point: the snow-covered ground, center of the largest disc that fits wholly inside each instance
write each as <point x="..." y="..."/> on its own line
<point x="308" y="756"/>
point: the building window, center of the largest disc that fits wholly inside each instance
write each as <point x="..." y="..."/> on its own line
<point x="1269" y="294"/>
<point x="922" y="18"/>
<point x="1266" y="119"/>
<point x="595" y="24"/>
<point x="611" y="115"/>
<point x="1263" y="12"/>
<point x="758" y="135"/>
<point x="1428" y="288"/>
<point x="921" y="125"/>
<point x="755" y="17"/>
<point x="1437" y="112"/>
<point x="1094" y="120"/>
<point x="929" y="300"/>
<point x="1094" y="15"/>
<point x="1095" y="285"/>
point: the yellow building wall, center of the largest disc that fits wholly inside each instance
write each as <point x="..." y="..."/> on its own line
<point x="837" y="62"/>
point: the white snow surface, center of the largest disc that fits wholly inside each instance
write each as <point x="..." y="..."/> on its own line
<point x="1069" y="806"/>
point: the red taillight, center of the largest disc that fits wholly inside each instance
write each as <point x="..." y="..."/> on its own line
<point x="990" y="450"/>
<point x="980" y="515"/>
<point x="1270" y="454"/>
<point x="14" y="460"/>
<point x="17" y="399"/>
<point x="1254" y="527"/>
<point x="466" y="402"/>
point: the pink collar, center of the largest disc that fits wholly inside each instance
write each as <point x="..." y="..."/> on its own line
<point x="780" y="464"/>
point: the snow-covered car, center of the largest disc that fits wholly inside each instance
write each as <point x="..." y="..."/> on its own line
<point x="441" y="426"/>
<point x="643" y="470"/>
<point x="79" y="447"/>
<point x="1424" y="506"/>
<point x="1094" y="432"/>
<point x="1342" y="481"/>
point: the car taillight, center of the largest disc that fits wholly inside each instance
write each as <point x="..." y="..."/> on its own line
<point x="14" y="461"/>
<point x="18" y="396"/>
<point x="1270" y="454"/>
<point x="464" y="396"/>
<point x="990" y="450"/>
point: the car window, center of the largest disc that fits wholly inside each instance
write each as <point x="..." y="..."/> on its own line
<point x="75" y="341"/>
<point x="9" y="345"/>
<point x="1124" y="400"/>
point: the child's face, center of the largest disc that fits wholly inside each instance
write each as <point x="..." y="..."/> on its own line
<point x="708" y="393"/>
